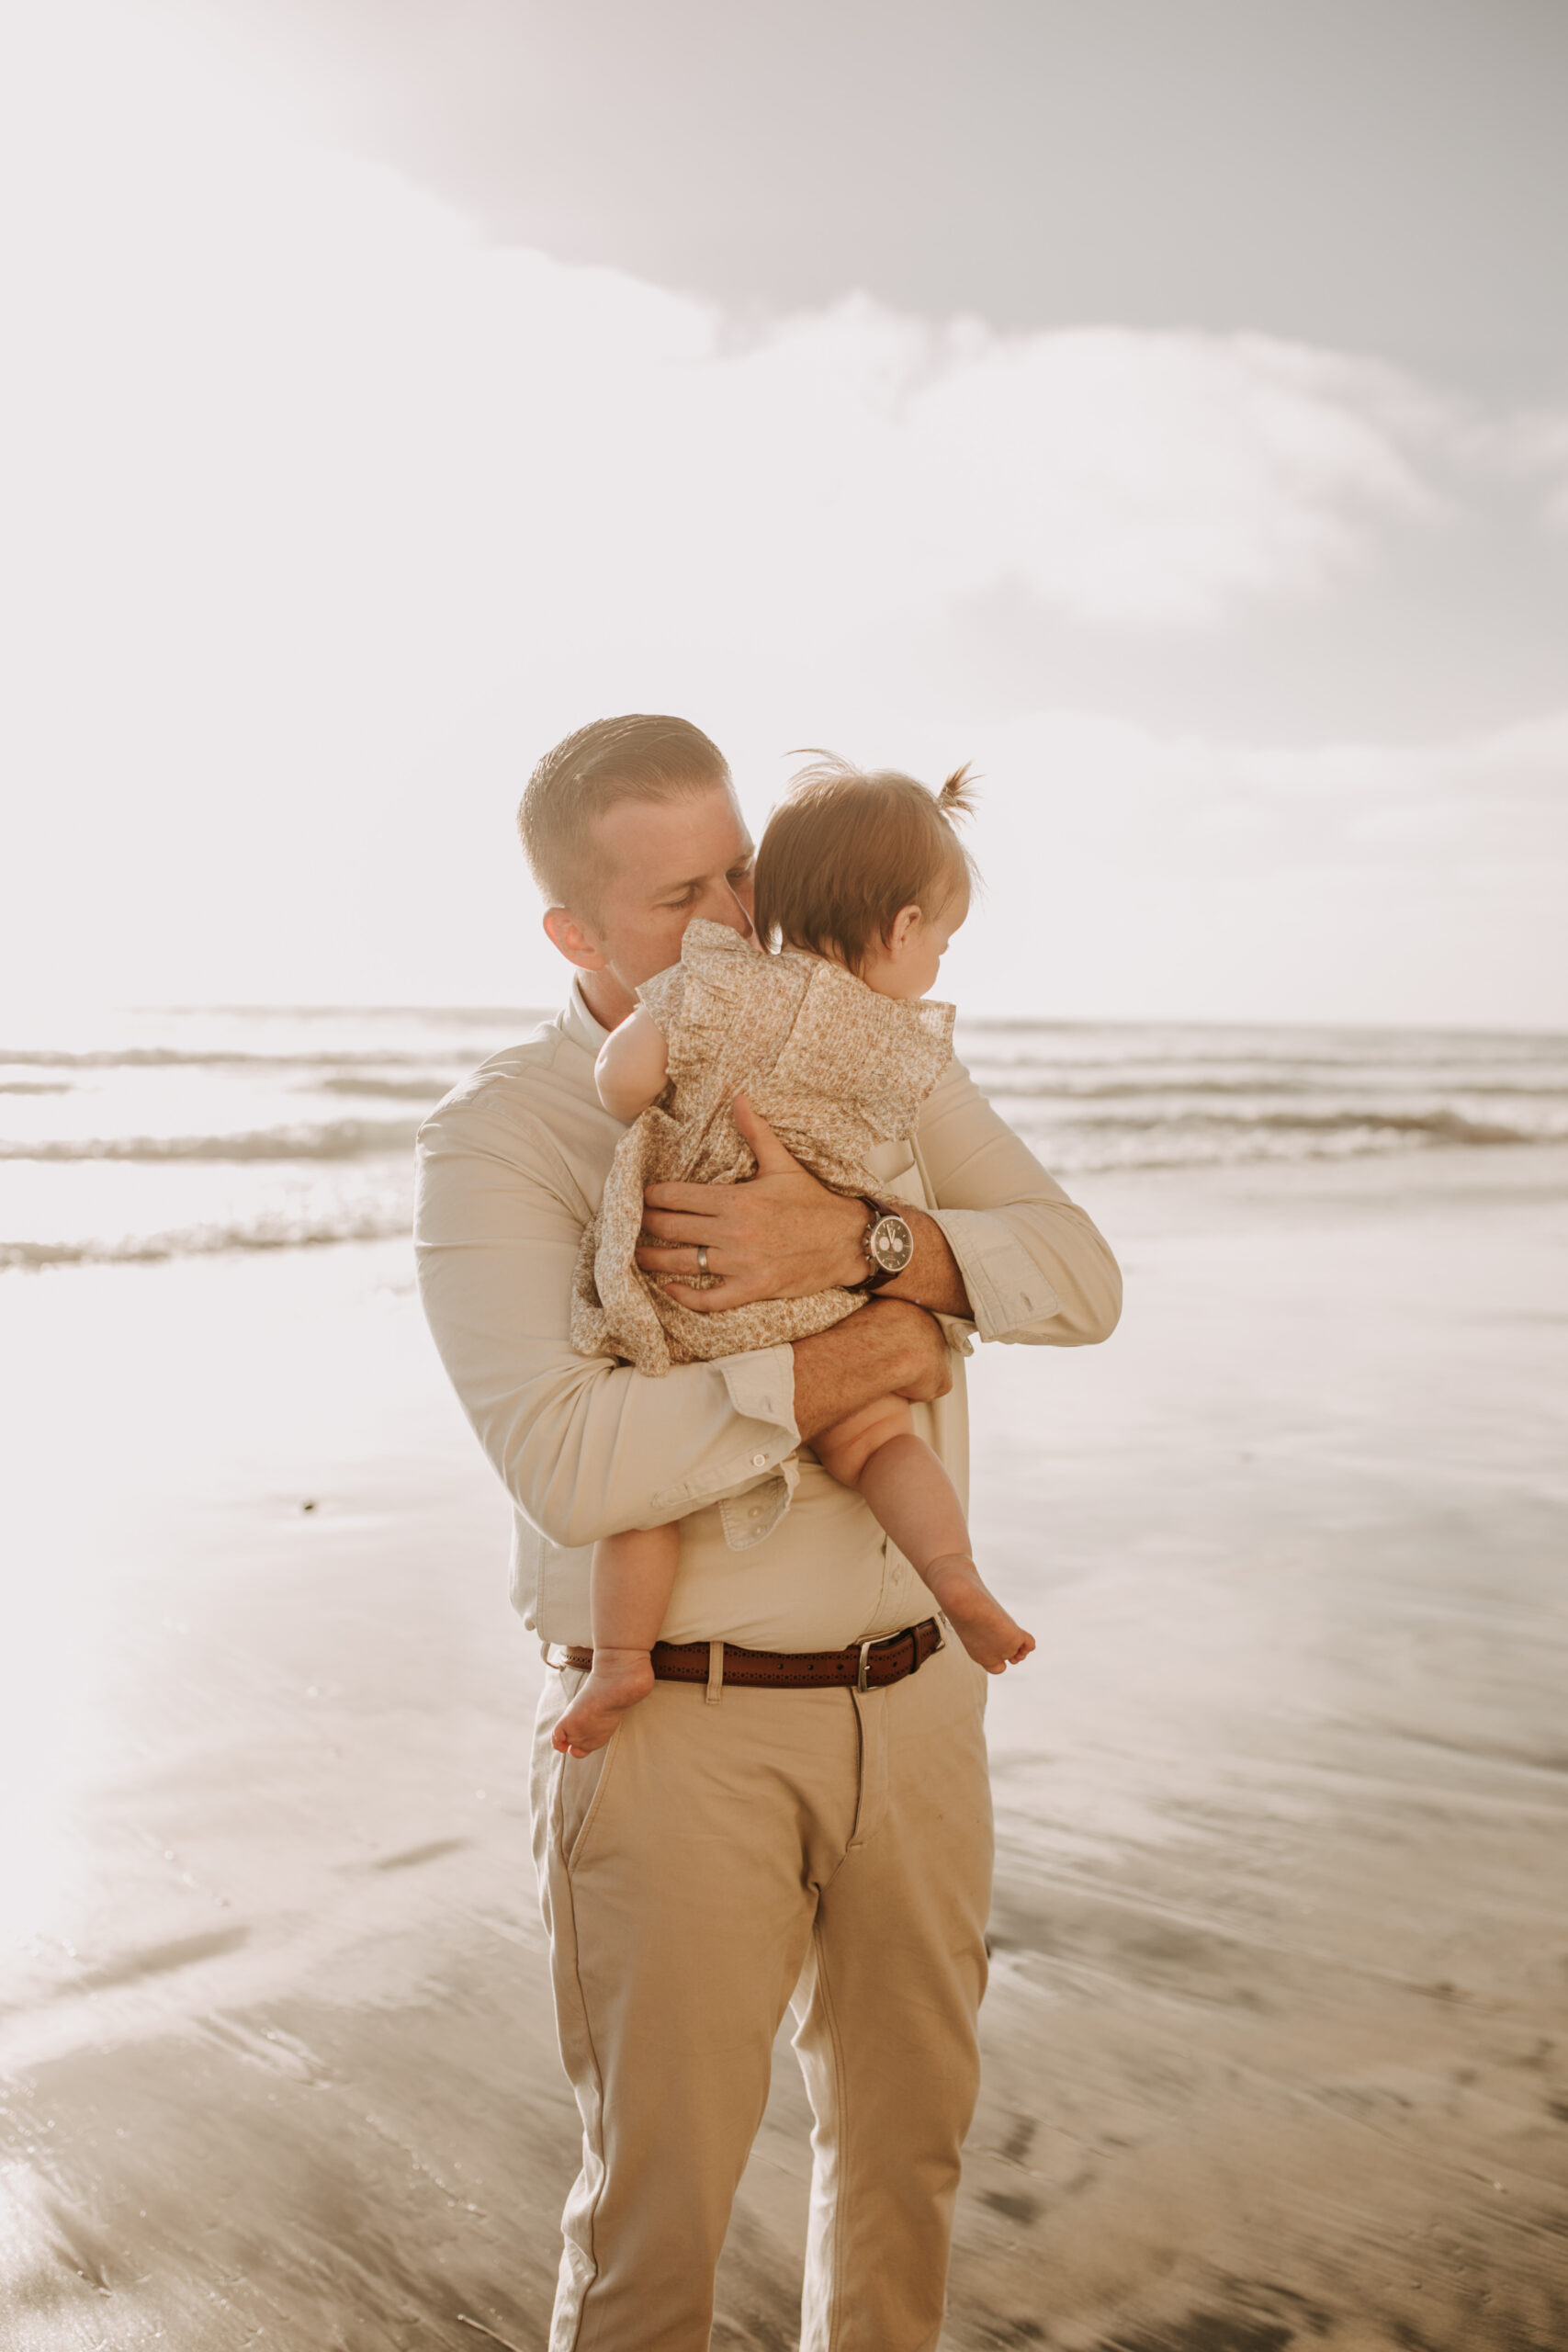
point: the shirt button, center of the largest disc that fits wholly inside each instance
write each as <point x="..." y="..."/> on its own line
<point x="759" y="1461"/>
<point x="755" y="1513"/>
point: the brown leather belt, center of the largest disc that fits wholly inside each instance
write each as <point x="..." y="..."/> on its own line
<point x="864" y="1666"/>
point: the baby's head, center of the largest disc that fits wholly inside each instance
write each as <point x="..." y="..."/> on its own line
<point x="868" y="871"/>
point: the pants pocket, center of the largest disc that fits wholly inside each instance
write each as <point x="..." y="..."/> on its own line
<point x="581" y="1783"/>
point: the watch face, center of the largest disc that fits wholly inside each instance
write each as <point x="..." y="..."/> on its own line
<point x="892" y="1245"/>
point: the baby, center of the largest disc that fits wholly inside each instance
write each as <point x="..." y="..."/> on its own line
<point x="864" y="881"/>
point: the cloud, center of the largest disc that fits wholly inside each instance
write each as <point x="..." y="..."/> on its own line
<point x="1348" y="881"/>
<point x="1536" y="446"/>
<point x="265" y="378"/>
<point x="1126" y="478"/>
<point x="322" y="516"/>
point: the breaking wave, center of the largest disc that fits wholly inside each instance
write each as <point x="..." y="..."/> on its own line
<point x="138" y="1137"/>
<point x="337" y="1139"/>
<point x="200" y="1240"/>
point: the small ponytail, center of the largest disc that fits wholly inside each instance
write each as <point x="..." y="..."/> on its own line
<point x="957" y="795"/>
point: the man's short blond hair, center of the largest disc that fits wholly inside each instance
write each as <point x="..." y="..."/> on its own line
<point x="639" y="757"/>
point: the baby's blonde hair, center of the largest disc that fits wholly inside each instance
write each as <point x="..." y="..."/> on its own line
<point x="848" y="849"/>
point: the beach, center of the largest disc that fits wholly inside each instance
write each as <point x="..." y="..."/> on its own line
<point x="1276" y="2037"/>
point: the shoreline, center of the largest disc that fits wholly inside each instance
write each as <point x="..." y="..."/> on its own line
<point x="1277" y="1983"/>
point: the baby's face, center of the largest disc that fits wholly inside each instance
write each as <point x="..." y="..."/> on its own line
<point x="908" y="964"/>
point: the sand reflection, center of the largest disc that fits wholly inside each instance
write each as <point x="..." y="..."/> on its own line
<point x="1275" y="2037"/>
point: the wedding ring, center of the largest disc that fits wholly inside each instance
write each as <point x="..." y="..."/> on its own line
<point x="702" y="1257"/>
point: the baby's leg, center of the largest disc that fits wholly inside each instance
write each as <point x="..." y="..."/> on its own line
<point x="877" y="1452"/>
<point x="628" y="1592"/>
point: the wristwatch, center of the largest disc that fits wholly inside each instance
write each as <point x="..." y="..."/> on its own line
<point x="888" y="1244"/>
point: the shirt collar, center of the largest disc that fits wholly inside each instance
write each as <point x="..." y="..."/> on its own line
<point x="580" y="1024"/>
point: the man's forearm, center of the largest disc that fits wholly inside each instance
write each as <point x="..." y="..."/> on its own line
<point x="932" y="1278"/>
<point x="890" y="1349"/>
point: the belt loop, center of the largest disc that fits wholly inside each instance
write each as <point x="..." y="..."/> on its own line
<point x="714" y="1691"/>
<point x="862" y="1680"/>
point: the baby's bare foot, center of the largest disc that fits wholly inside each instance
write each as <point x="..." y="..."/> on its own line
<point x="993" y="1638"/>
<point x="618" y="1679"/>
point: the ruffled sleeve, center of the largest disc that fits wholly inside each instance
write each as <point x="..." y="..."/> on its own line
<point x="882" y="1056"/>
<point x="732" y="1011"/>
<point x="661" y="998"/>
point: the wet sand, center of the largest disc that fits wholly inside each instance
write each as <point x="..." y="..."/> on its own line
<point x="1278" y="2034"/>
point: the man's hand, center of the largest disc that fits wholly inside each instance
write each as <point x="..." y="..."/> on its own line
<point x="889" y="1349"/>
<point x="782" y="1235"/>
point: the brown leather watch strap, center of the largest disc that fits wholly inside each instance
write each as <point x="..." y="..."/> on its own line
<point x="864" y="1666"/>
<point x="871" y="1281"/>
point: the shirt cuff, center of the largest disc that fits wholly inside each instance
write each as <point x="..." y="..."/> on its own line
<point x="1007" y="1289"/>
<point x="752" y="1485"/>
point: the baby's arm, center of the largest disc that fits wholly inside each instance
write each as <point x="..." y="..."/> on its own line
<point x="630" y="1070"/>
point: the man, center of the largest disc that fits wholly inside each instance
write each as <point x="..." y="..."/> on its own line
<point x="804" y="1819"/>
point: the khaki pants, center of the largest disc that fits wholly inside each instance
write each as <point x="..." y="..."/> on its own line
<point x="717" y="1862"/>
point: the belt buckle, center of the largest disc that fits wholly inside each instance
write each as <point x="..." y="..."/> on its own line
<point x="911" y="1634"/>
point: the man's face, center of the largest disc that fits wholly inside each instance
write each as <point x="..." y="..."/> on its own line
<point x="663" y="863"/>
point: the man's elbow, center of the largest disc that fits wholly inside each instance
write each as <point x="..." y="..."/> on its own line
<point x="568" y="1529"/>
<point x="1095" y="1309"/>
<point x="569" y="1506"/>
<point x="561" y="1507"/>
<point x="542" y="1458"/>
<point x="1104" y="1311"/>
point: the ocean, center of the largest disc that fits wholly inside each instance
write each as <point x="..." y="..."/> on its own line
<point x="154" y="1135"/>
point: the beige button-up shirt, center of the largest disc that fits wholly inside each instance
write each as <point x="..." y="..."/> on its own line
<point x="774" y="1554"/>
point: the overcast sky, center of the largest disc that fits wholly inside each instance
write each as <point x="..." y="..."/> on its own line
<point x="1164" y="404"/>
<point x="1382" y="175"/>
